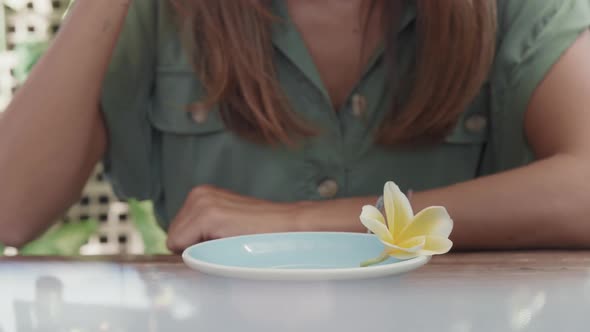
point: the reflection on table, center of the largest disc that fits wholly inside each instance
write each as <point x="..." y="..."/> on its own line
<point x="457" y="293"/>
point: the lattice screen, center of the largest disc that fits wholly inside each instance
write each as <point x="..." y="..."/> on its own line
<point x="33" y="21"/>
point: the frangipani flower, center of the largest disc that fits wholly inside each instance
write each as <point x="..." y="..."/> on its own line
<point x="404" y="234"/>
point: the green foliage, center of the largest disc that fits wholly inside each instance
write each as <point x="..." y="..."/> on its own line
<point x="154" y="238"/>
<point x="64" y="240"/>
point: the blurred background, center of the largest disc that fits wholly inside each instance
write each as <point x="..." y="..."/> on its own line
<point x="98" y="224"/>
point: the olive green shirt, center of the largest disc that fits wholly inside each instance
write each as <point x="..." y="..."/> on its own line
<point x="158" y="151"/>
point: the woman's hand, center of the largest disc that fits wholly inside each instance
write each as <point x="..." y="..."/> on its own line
<point x="212" y="213"/>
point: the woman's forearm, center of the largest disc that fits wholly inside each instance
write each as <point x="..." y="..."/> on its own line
<point x="51" y="134"/>
<point x="543" y="205"/>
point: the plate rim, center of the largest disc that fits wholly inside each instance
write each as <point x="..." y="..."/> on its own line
<point x="258" y="273"/>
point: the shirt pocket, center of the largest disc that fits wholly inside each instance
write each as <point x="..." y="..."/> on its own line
<point x="457" y="159"/>
<point x="471" y="129"/>
<point x="178" y="109"/>
<point x="465" y="147"/>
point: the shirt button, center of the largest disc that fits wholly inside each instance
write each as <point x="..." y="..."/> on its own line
<point x="198" y="112"/>
<point x="476" y="123"/>
<point x="359" y="105"/>
<point x="328" y="188"/>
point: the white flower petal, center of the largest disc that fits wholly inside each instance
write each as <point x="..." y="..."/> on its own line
<point x="389" y="206"/>
<point x="402" y="255"/>
<point x="410" y="246"/>
<point x="436" y="245"/>
<point x="432" y="221"/>
<point x="372" y="212"/>
<point x="377" y="227"/>
<point x="397" y="208"/>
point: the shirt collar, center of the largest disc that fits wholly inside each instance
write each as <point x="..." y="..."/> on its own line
<point x="289" y="41"/>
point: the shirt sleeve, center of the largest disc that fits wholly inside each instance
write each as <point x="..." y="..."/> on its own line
<point x="126" y="99"/>
<point x="532" y="36"/>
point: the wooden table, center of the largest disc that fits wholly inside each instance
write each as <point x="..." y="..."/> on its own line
<point x="526" y="291"/>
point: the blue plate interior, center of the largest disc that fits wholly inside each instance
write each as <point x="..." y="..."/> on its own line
<point x="291" y="251"/>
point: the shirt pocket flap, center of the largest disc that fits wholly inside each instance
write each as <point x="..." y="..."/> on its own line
<point x="177" y="106"/>
<point x="471" y="129"/>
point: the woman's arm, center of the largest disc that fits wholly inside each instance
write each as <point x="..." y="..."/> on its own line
<point x="543" y="205"/>
<point x="52" y="133"/>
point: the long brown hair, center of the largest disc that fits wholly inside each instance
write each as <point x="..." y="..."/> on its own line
<point x="230" y="45"/>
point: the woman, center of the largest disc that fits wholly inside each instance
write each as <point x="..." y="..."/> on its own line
<point x="239" y="117"/>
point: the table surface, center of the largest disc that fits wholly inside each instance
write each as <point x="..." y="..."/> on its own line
<point x="524" y="291"/>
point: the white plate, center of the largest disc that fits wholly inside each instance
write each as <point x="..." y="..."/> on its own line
<point x="296" y="256"/>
